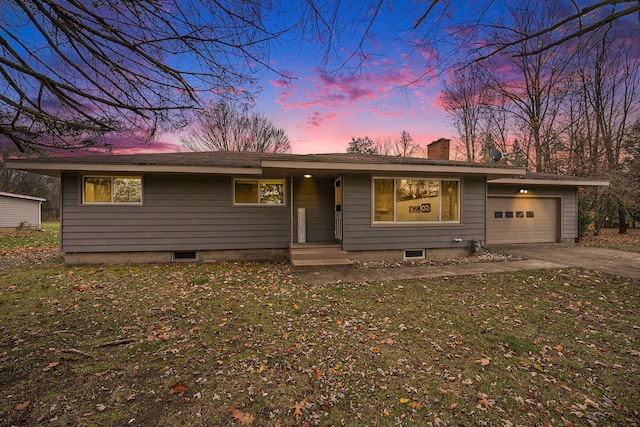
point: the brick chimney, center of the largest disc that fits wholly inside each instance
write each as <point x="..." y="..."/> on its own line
<point x="439" y="150"/>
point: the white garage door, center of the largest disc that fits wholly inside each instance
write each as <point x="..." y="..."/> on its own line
<point x="522" y="220"/>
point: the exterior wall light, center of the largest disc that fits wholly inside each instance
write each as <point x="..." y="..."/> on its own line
<point x="523" y="191"/>
<point x="307" y="175"/>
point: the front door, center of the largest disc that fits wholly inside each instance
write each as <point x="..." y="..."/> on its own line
<point x="337" y="187"/>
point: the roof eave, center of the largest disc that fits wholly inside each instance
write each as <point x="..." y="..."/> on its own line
<point x="56" y="169"/>
<point x="393" y="167"/>
<point x="551" y="182"/>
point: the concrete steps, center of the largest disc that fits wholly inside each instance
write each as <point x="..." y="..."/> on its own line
<point x="317" y="255"/>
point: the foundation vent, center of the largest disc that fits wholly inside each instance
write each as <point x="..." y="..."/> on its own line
<point x="185" y="256"/>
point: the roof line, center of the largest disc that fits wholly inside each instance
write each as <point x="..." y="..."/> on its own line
<point x="556" y="182"/>
<point x="393" y="167"/>
<point x="22" y="196"/>
<point x="133" y="168"/>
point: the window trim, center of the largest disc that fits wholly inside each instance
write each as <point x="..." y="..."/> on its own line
<point x="396" y="223"/>
<point x="258" y="204"/>
<point x="83" y="200"/>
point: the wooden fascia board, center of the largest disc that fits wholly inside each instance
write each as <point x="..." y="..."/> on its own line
<point x="549" y="182"/>
<point x="393" y="168"/>
<point x="56" y="168"/>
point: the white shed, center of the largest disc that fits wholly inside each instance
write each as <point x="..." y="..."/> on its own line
<point x="18" y="210"/>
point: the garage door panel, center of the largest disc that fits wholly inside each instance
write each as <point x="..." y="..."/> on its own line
<point x="522" y="220"/>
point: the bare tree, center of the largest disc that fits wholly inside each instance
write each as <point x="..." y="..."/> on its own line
<point x="224" y="127"/>
<point x="532" y="83"/>
<point x="609" y="75"/>
<point x="72" y="71"/>
<point x="364" y="145"/>
<point x="404" y="146"/>
<point x="31" y="184"/>
<point x="465" y="99"/>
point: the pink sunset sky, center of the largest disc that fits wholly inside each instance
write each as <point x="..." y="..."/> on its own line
<point x="378" y="93"/>
<point x="321" y="111"/>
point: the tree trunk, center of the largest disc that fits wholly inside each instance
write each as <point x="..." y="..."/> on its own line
<point x="622" y="217"/>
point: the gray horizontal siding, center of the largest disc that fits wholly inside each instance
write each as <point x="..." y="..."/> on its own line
<point x="178" y="213"/>
<point x="15" y="212"/>
<point x="568" y="196"/>
<point x="359" y="234"/>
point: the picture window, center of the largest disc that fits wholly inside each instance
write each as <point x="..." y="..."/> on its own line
<point x="416" y="200"/>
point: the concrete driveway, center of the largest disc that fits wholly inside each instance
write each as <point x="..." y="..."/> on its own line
<point x="536" y="256"/>
<point x="610" y="261"/>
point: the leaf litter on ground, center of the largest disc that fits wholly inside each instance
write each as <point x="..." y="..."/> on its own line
<point x="181" y="344"/>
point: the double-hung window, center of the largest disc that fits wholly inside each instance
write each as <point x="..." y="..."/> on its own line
<point x="420" y="201"/>
<point x="261" y="192"/>
<point x="112" y="190"/>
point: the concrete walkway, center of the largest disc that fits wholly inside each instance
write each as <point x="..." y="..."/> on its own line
<point x="610" y="261"/>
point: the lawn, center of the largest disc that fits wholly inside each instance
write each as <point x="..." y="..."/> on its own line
<point x="248" y="344"/>
<point x="610" y="238"/>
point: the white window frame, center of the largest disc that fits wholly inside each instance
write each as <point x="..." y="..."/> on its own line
<point x="112" y="202"/>
<point x="395" y="221"/>
<point x="260" y="180"/>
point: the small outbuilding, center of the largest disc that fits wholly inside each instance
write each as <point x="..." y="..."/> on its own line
<point x="18" y="210"/>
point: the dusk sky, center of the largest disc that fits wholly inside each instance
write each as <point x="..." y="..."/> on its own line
<point x="375" y="86"/>
<point x="322" y="109"/>
<point x="321" y="112"/>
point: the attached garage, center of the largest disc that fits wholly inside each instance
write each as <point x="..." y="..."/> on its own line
<point x="536" y="208"/>
<point x="523" y="220"/>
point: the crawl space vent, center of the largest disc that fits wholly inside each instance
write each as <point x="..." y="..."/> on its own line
<point x="185" y="256"/>
<point x="414" y="253"/>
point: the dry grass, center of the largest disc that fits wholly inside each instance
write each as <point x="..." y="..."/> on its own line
<point x="183" y="344"/>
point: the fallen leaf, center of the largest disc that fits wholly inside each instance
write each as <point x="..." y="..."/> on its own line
<point x="483" y="401"/>
<point x="454" y="405"/>
<point x="297" y="410"/>
<point x="591" y="403"/>
<point x="244" y="418"/>
<point x="484" y="361"/>
<point x="261" y="369"/>
<point x="375" y="350"/>
<point x="404" y="400"/>
<point x="100" y="407"/>
<point x="179" y="389"/>
<point x="416" y="405"/>
<point x="23" y="406"/>
<point x="388" y="341"/>
<point x="559" y="347"/>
